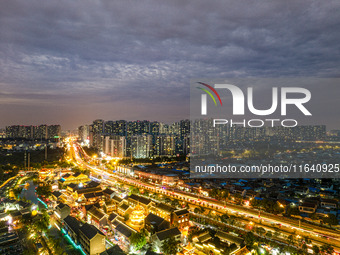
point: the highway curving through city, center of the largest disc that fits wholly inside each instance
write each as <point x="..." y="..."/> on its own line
<point x="317" y="233"/>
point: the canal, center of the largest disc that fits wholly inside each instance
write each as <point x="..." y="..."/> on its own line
<point x="30" y="194"/>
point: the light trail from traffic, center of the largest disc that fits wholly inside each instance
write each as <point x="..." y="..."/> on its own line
<point x="316" y="232"/>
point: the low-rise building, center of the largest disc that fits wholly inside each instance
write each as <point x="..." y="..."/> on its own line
<point x="97" y="217"/>
<point x="77" y="194"/>
<point x="56" y="195"/>
<point x="160" y="237"/>
<point x="162" y="210"/>
<point x="109" y="207"/>
<point x="230" y="239"/>
<point x="125" y="170"/>
<point x="91" y="239"/>
<point x="91" y="198"/>
<point x="74" y="178"/>
<point x="154" y="223"/>
<point x="180" y="218"/>
<point x="122" y="232"/>
<point x="109" y="193"/>
<point x="158" y="176"/>
<point x="135" y="200"/>
<point x="123" y="208"/>
<point x="114" y="250"/>
<point x="71" y="226"/>
<point x="114" y="216"/>
<point x="62" y="211"/>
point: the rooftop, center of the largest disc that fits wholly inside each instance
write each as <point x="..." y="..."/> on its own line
<point x="154" y="219"/>
<point x="165" y="207"/>
<point x="61" y="206"/>
<point x="56" y="194"/>
<point x="72" y="223"/>
<point x="90" y="231"/>
<point x="140" y="199"/>
<point x="172" y="232"/>
<point x="96" y="213"/>
<point x="108" y="191"/>
<point x="181" y="212"/>
<point x="229" y="237"/>
<point x="115" y="250"/>
<point x="113" y="216"/>
<point x="88" y="190"/>
<point x="124" y="229"/>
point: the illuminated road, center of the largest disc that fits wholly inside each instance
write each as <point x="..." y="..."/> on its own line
<point x="318" y="234"/>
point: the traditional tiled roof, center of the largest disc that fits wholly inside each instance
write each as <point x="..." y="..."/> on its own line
<point x="92" y="195"/>
<point x="88" y="207"/>
<point x="108" y="191"/>
<point x="115" y="222"/>
<point x="96" y="213"/>
<point x="242" y="251"/>
<point x="117" y="199"/>
<point x="154" y="219"/>
<point x="90" y="231"/>
<point x="73" y="186"/>
<point x="124" y="230"/>
<point x="140" y="199"/>
<point x="181" y="212"/>
<point x="115" y="250"/>
<point x="124" y="207"/>
<point x="57" y="194"/>
<point x="229" y="237"/>
<point x="204" y="237"/>
<point x="110" y="203"/>
<point x="15" y="213"/>
<point x="165" y="207"/>
<point x="60" y="206"/>
<point x="72" y="223"/>
<point x="93" y="184"/>
<point x="113" y="216"/>
<point x="66" y="176"/>
<point x="89" y="190"/>
<point x="172" y="232"/>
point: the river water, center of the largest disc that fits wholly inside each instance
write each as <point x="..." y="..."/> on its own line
<point x="29" y="194"/>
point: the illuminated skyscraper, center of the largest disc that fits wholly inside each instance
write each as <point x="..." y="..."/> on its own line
<point x="164" y="145"/>
<point x="115" y="146"/>
<point x="141" y="146"/>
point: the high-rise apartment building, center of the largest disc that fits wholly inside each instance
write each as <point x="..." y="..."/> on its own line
<point x="164" y="145"/>
<point x="96" y="134"/>
<point x="84" y="133"/>
<point x="115" y="146"/>
<point x="141" y="146"/>
<point x="33" y="132"/>
<point x="53" y="131"/>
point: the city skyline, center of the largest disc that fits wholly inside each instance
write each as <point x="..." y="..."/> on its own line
<point x="169" y="127"/>
<point x="72" y="62"/>
<point x="168" y="124"/>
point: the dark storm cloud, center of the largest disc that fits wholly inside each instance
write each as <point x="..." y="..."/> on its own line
<point x="134" y="59"/>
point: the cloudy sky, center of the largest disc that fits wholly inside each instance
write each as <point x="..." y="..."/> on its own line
<point x="70" y="62"/>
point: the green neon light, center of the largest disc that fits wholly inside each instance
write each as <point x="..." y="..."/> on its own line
<point x="42" y="202"/>
<point x="78" y="247"/>
<point x="209" y="94"/>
